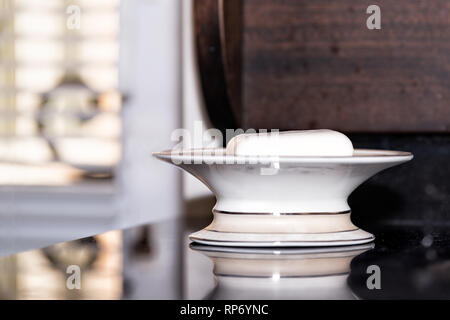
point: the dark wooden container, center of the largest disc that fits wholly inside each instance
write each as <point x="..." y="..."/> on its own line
<point x="302" y="64"/>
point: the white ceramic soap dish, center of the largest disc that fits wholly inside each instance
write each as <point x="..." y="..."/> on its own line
<point x="282" y="201"/>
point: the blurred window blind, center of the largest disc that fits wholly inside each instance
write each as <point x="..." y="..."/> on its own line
<point x="59" y="101"/>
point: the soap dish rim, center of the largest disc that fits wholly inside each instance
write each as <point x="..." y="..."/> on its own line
<point x="197" y="156"/>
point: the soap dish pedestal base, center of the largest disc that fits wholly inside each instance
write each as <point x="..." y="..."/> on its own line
<point x="281" y="230"/>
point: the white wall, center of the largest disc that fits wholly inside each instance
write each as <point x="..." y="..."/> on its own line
<point x="150" y="74"/>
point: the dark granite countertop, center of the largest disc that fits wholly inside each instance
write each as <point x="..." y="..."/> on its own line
<point x="158" y="262"/>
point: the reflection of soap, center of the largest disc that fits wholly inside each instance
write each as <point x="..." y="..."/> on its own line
<point x="322" y="142"/>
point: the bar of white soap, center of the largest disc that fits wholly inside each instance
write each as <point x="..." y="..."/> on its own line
<point x="322" y="142"/>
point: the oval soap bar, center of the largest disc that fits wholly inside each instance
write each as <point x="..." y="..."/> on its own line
<point x="321" y="142"/>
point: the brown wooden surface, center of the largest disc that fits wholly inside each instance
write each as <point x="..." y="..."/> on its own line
<point x="314" y="64"/>
<point x="230" y="17"/>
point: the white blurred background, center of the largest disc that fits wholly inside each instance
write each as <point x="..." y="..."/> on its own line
<point x="88" y="89"/>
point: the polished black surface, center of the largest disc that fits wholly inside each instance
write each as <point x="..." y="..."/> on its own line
<point x="414" y="264"/>
<point x="158" y="262"/>
<point x="417" y="191"/>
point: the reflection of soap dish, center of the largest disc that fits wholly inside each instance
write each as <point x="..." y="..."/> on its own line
<point x="282" y="201"/>
<point x="281" y="273"/>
